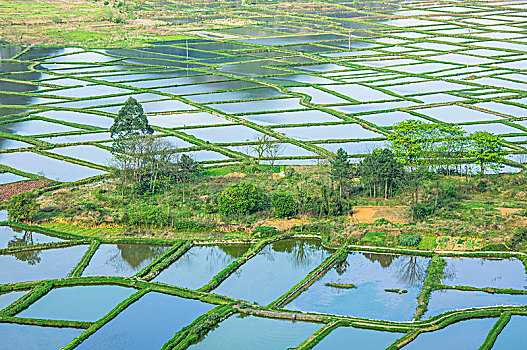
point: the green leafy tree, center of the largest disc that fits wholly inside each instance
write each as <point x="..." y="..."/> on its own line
<point x="242" y="198"/>
<point x="284" y="204"/>
<point x="340" y="168"/>
<point x="186" y="170"/>
<point x="486" y="150"/>
<point x="381" y="168"/>
<point x="131" y="120"/>
<point x="22" y="207"/>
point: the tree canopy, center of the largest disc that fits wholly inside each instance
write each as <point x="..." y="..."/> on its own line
<point x="131" y="120"/>
<point x="242" y="198"/>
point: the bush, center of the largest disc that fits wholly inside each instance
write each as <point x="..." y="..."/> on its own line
<point x="22" y="207"/>
<point x="421" y="211"/>
<point x="265" y="231"/>
<point x="411" y="240"/>
<point x="243" y="198"/>
<point x="284" y="204"/>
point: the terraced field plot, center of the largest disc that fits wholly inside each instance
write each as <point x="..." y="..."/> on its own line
<point x="315" y="77"/>
<point x="178" y="294"/>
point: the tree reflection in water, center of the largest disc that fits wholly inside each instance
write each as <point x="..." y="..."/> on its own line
<point x="301" y="252"/>
<point x="131" y="256"/>
<point x="32" y="257"/>
<point x="410" y="270"/>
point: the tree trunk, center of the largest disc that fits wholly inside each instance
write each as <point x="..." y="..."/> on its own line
<point x="374" y="190"/>
<point x="386" y="189"/>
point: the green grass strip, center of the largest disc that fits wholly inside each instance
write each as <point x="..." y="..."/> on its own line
<point x="79" y="269"/>
<point x="25" y="301"/>
<point x="195" y="331"/>
<point x="45" y="323"/>
<point x="233" y="266"/>
<point x="43" y="246"/>
<point x="165" y="261"/>
<point x="495" y="331"/>
<point x="311" y="278"/>
<point x="435" y="273"/>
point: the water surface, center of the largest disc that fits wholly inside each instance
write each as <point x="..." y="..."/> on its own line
<point x="146" y="324"/>
<point x="273" y="271"/>
<point x="197" y="266"/>
<point x="82" y="303"/>
<point x="371" y="274"/>
<point x="255" y="333"/>
<point x="15" y="336"/>
<point x="122" y="259"/>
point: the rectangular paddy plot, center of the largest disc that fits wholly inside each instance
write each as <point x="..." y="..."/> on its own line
<point x="16" y="336"/>
<point x="256" y="333"/>
<point x="463" y="335"/>
<point x="342" y="337"/>
<point x="327" y="132"/>
<point x="371" y="274"/>
<point x="34" y="265"/>
<point x="298" y="117"/>
<point x="446" y="300"/>
<point x="83" y="303"/>
<point x="481" y="273"/>
<point x="274" y="270"/>
<point x="197" y="266"/>
<point x="147" y="323"/>
<point x="122" y="259"/>
<point x="51" y="168"/>
<point x="11" y="237"/>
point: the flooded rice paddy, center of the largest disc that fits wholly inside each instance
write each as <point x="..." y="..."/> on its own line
<point x="153" y="317"/>
<point x="347" y="77"/>
<point x="329" y="76"/>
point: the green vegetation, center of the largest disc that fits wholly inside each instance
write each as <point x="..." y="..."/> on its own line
<point x="22" y="207"/>
<point x="341" y="285"/>
<point x="283" y="204"/>
<point x="411" y="240"/>
<point x="240" y="199"/>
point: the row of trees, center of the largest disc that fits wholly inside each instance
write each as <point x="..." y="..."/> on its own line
<point x="442" y="147"/>
<point x="419" y="151"/>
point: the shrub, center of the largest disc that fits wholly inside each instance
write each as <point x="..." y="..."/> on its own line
<point x="284" y="204"/>
<point x="243" y="198"/>
<point x="22" y="207"/>
<point x="411" y="240"/>
<point x="421" y="211"/>
<point x="265" y="231"/>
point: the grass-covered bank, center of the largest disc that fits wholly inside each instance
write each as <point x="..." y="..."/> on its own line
<point x="474" y="213"/>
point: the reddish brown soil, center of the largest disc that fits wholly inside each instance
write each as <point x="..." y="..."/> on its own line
<point x="9" y="190"/>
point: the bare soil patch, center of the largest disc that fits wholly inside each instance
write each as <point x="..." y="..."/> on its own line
<point x="395" y="214"/>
